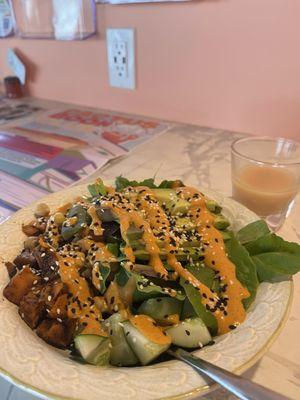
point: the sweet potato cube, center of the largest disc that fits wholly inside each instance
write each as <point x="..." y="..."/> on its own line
<point x="60" y="307"/>
<point x="58" y="334"/>
<point x="20" y="284"/>
<point x="32" y="310"/>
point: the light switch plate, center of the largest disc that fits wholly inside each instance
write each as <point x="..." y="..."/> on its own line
<point x="121" y="57"/>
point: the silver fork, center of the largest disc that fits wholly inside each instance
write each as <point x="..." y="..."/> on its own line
<point x="240" y="387"/>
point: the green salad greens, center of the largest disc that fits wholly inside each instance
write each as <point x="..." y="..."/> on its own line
<point x="120" y="275"/>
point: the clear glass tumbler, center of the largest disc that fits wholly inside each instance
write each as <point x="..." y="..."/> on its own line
<point x="265" y="176"/>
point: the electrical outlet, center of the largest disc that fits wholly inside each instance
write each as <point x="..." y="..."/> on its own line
<point x="121" y="58"/>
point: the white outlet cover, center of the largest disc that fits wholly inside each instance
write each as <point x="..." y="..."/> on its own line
<point x="121" y="57"/>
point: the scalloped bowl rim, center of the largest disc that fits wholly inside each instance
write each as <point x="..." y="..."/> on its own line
<point x="193" y="384"/>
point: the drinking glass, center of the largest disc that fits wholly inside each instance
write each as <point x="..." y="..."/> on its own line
<point x="265" y="175"/>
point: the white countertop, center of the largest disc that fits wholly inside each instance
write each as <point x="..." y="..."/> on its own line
<point x="201" y="157"/>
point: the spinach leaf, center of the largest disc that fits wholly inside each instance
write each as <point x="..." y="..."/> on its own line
<point x="245" y="268"/>
<point x="104" y="271"/>
<point x="275" y="265"/>
<point x="97" y="188"/>
<point x="205" y="275"/>
<point x="252" y="231"/>
<point x="194" y="298"/>
<point x="145" y="288"/>
<point x="170" y="184"/>
<point x="113" y="248"/>
<point x="275" y="258"/>
<point x="122" y="183"/>
<point x="271" y="243"/>
<point x="122" y="277"/>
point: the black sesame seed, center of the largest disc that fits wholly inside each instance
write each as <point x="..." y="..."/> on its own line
<point x="187" y="332"/>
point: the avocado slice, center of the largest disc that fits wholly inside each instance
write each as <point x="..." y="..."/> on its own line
<point x="185" y="224"/>
<point x="134" y="233"/>
<point x="140" y="244"/>
<point x="213" y="206"/>
<point x="221" y="223"/>
<point x="183" y="255"/>
<point x="169" y="198"/>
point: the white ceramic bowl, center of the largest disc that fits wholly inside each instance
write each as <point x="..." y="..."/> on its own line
<point x="30" y="363"/>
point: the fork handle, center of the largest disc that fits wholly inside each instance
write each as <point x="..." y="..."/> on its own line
<point x="240" y="387"/>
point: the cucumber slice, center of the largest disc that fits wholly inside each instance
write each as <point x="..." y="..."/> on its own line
<point x="121" y="353"/>
<point x="145" y="350"/>
<point x="160" y="308"/>
<point x="86" y="344"/>
<point x="190" y="333"/>
<point x="101" y="355"/>
<point x="94" y="349"/>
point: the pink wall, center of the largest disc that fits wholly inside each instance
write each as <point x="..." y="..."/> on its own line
<point x="231" y="64"/>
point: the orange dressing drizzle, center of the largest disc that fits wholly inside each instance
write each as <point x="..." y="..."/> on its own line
<point x="95" y="226"/>
<point x="130" y="215"/>
<point x="216" y="258"/>
<point x="81" y="307"/>
<point x="153" y="211"/>
<point x="148" y="327"/>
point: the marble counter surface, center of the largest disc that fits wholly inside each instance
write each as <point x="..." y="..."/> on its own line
<point x="201" y="157"/>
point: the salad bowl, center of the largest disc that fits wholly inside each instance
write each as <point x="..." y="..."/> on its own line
<point x="48" y="372"/>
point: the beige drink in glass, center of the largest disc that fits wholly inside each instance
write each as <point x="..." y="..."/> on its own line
<point x="266" y="176"/>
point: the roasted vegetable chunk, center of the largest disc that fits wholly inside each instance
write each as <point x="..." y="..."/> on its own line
<point x="32" y="309"/>
<point x="20" y="285"/>
<point x="59" y="334"/>
<point x="25" y="258"/>
<point x="60" y="307"/>
<point x="46" y="262"/>
<point x="11" y="269"/>
<point x="51" y="292"/>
